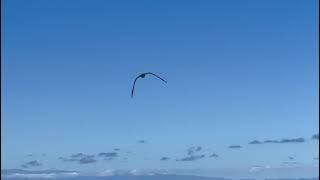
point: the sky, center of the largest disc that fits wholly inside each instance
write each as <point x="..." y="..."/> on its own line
<point x="237" y="71"/>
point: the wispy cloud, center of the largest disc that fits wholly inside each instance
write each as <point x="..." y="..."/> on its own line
<point x="271" y="141"/>
<point x="283" y="141"/>
<point x="213" y="155"/>
<point x="87" y="160"/>
<point x="29" y="164"/>
<point x="191" y="154"/>
<point x="193" y="149"/>
<point x="198" y="148"/>
<point x="165" y="159"/>
<point x="255" y="142"/>
<point x="192" y="158"/>
<point x="80" y="158"/>
<point x="79" y="155"/>
<point x="295" y="140"/>
<point x="141" y="141"/>
<point x="67" y="159"/>
<point x="290" y="164"/>
<point x="315" y="137"/>
<point x="108" y="155"/>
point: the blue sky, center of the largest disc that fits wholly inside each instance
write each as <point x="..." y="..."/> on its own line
<point x="237" y="71"/>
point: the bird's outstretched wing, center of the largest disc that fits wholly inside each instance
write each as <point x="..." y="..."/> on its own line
<point x="156" y="76"/>
<point x="134" y="85"/>
<point x="142" y="75"/>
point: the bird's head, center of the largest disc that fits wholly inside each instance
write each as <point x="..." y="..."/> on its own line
<point x="143" y="75"/>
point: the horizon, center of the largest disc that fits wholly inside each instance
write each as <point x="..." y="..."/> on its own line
<point x="180" y="173"/>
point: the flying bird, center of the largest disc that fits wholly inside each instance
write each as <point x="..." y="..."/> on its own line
<point x="143" y="75"/>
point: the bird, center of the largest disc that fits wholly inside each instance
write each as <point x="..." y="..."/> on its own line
<point x="143" y="75"/>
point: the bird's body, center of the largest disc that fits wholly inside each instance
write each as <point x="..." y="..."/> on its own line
<point x="143" y="75"/>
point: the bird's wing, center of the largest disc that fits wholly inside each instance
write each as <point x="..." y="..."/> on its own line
<point x="134" y="85"/>
<point x="156" y="76"/>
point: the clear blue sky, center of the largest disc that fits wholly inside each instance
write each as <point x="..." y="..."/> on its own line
<point x="237" y="71"/>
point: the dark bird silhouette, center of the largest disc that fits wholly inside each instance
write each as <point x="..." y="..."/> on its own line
<point x="143" y="75"/>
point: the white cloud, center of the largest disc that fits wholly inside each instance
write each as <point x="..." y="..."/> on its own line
<point x="137" y="172"/>
<point x="20" y="175"/>
<point x="42" y="175"/>
<point x="258" y="168"/>
<point x="108" y="172"/>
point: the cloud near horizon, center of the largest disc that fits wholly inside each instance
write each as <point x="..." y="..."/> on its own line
<point x="41" y="174"/>
<point x="193" y="149"/>
<point x="80" y="158"/>
<point x="271" y="141"/>
<point x="255" y="142"/>
<point x="295" y="140"/>
<point x="108" y="155"/>
<point x="182" y="173"/>
<point x="235" y="146"/>
<point x="29" y="164"/>
<point x="192" y="158"/>
<point x="254" y="169"/>
<point x="214" y="155"/>
<point x="283" y="141"/>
